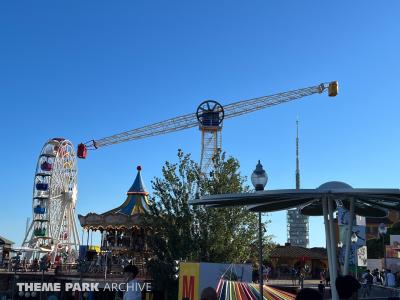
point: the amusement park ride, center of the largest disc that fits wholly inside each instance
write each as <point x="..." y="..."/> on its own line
<point x="209" y="117"/>
<point x="53" y="227"/>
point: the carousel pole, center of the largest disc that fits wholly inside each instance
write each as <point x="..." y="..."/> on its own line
<point x="87" y="240"/>
<point x="348" y="238"/>
<point x="333" y="249"/>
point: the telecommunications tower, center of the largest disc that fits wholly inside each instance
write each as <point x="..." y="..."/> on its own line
<point x="297" y="224"/>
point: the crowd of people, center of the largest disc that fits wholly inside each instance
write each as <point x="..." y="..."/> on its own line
<point x="384" y="277"/>
<point x="346" y="286"/>
<point x="23" y="264"/>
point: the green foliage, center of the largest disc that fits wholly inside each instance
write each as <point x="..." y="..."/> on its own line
<point x="194" y="233"/>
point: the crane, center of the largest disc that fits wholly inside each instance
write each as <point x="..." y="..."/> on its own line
<point x="209" y="117"/>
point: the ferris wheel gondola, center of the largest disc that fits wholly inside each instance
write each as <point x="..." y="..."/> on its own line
<point x="53" y="226"/>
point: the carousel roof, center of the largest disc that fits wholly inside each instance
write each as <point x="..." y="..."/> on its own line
<point x="138" y="186"/>
<point x="137" y="201"/>
<point x="128" y="214"/>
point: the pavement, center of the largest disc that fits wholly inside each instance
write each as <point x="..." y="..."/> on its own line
<point x="377" y="292"/>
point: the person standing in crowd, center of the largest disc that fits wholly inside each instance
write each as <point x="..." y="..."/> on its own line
<point x="390" y="279"/>
<point x="266" y="271"/>
<point x="322" y="275"/>
<point x="302" y="274"/>
<point x="368" y="281"/>
<point x="132" y="287"/>
<point x="255" y="274"/>
<point x="378" y="277"/>
<point x="327" y="278"/>
<point x="321" y="288"/>
<point x="293" y="273"/>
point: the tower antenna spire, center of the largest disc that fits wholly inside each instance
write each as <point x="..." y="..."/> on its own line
<point x="297" y="156"/>
<point x="297" y="224"/>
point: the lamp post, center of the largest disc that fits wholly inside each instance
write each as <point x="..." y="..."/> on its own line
<point x="382" y="229"/>
<point x="354" y="239"/>
<point x="259" y="179"/>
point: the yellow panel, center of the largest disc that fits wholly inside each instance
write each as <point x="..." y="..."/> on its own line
<point x="189" y="277"/>
<point x="94" y="248"/>
<point x="333" y="89"/>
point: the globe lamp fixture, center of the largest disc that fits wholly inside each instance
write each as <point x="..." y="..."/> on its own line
<point x="382" y="229"/>
<point x="259" y="177"/>
<point x="354" y="238"/>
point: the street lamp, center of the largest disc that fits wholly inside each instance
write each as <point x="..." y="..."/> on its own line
<point x="382" y="229"/>
<point x="259" y="179"/>
<point x="354" y="239"/>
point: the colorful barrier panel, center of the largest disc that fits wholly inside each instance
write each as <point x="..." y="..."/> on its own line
<point x="235" y="290"/>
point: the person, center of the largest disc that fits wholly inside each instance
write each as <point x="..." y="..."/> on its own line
<point x="264" y="272"/>
<point x="327" y="278"/>
<point x="44" y="266"/>
<point x="322" y="275"/>
<point x="347" y="287"/>
<point x="255" y="276"/>
<point x="132" y="291"/>
<point x="308" y="294"/>
<point x="35" y="265"/>
<point x="321" y="288"/>
<point x="390" y="278"/>
<point x="267" y="272"/>
<point x="24" y="264"/>
<point x="368" y="281"/>
<point x="378" y="277"/>
<point x="208" y="294"/>
<point x="301" y="277"/>
<point x="293" y="275"/>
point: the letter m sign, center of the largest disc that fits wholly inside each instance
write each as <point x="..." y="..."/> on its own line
<point x="188" y="288"/>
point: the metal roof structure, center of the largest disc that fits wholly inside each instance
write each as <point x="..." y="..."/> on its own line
<point x="323" y="200"/>
<point x="368" y="202"/>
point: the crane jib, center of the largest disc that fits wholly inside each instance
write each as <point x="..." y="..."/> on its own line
<point x="210" y="114"/>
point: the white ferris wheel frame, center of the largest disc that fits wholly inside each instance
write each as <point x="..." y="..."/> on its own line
<point x="59" y="200"/>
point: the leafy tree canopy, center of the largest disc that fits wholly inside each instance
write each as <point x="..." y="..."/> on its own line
<point x="195" y="233"/>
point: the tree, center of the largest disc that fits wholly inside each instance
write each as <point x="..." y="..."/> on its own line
<point x="194" y="233"/>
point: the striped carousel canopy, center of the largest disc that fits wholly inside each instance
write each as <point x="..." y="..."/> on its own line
<point x="129" y="214"/>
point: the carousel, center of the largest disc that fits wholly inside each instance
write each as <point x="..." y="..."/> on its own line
<point x="122" y="230"/>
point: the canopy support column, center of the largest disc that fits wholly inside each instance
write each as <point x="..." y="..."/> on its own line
<point x="348" y="238"/>
<point x="329" y="248"/>
<point x="333" y="246"/>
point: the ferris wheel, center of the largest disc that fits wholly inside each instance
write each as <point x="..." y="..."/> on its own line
<point x="53" y="227"/>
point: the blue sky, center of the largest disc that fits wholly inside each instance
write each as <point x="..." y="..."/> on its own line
<point x="88" y="69"/>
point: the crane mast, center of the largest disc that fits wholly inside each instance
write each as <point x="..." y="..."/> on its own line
<point x="209" y="117"/>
